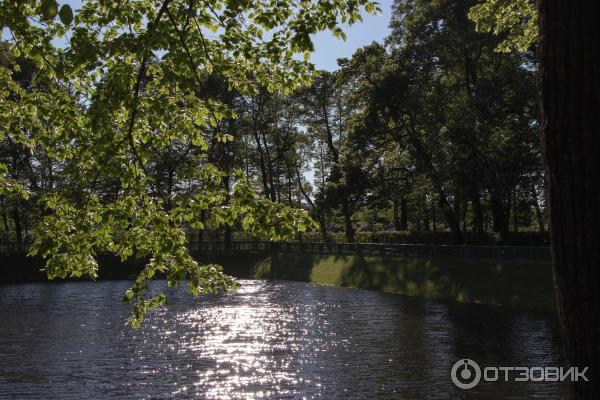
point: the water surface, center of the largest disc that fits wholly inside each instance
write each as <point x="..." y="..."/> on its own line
<point x="271" y="339"/>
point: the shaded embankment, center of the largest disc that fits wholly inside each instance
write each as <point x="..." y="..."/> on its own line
<point x="519" y="285"/>
<point x="511" y="283"/>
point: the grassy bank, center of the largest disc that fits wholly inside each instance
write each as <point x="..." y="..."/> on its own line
<point x="504" y="283"/>
<point x="509" y="283"/>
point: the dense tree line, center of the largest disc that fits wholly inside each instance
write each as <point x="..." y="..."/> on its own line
<point x="431" y="131"/>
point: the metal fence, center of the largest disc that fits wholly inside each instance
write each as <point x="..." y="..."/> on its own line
<point x="379" y="249"/>
<point x="527" y="253"/>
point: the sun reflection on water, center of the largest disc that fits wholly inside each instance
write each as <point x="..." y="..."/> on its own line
<point x="271" y="339"/>
<point x="248" y="344"/>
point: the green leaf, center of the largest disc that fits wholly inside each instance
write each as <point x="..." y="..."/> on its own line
<point x="49" y="9"/>
<point x="66" y="14"/>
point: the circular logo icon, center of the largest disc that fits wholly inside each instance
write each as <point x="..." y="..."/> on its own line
<point x="465" y="374"/>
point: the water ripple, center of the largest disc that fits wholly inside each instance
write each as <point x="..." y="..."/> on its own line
<point x="268" y="340"/>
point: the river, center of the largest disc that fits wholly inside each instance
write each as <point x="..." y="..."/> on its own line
<point x="270" y="339"/>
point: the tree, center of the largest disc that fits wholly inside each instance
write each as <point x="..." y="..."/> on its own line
<point x="464" y="114"/>
<point x="328" y="115"/>
<point x="569" y="104"/>
<point x="570" y="101"/>
<point x="129" y="85"/>
<point x="514" y="20"/>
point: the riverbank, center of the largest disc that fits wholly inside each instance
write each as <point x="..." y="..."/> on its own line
<point x="507" y="283"/>
<point x="515" y="284"/>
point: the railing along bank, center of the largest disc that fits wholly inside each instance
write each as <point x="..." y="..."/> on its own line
<point x="529" y="253"/>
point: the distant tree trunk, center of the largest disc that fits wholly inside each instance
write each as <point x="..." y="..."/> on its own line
<point x="318" y="210"/>
<point x="349" y="229"/>
<point x="464" y="216"/>
<point x="5" y="222"/>
<point x="262" y="165"/>
<point x="270" y="169"/>
<point x="403" y="214"/>
<point x="18" y="229"/>
<point x="227" y="233"/>
<point x="396" y="214"/>
<point x="498" y="212"/>
<point x="5" y="217"/>
<point x="457" y="206"/>
<point x="538" y="212"/>
<point x="515" y="214"/>
<point x="426" y="227"/>
<point x="477" y="214"/>
<point x="433" y="219"/>
<point x="425" y="215"/>
<point x="508" y="207"/>
<point x="289" y="191"/>
<point x="570" y="133"/>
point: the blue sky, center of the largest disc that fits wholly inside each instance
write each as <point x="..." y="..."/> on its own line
<point x="373" y="28"/>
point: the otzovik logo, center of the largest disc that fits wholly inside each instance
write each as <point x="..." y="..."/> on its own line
<point x="465" y="374"/>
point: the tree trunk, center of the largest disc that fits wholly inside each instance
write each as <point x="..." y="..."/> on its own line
<point x="425" y="215"/>
<point x="477" y="214"/>
<point x="403" y="214"/>
<point x="396" y="214"/>
<point x="515" y="215"/>
<point x="538" y="212"/>
<point x="227" y="231"/>
<point x="507" y="207"/>
<point x="319" y="211"/>
<point x="464" y="216"/>
<point x="262" y="164"/>
<point x="570" y="124"/>
<point x="498" y="212"/>
<point x="5" y="217"/>
<point x="347" y="220"/>
<point x="18" y="229"/>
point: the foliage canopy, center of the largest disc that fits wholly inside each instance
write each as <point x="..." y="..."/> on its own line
<point x="110" y="87"/>
<point x="513" y="20"/>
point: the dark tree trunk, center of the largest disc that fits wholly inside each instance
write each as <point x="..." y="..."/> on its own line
<point x="270" y="169"/>
<point x="570" y="134"/>
<point x="433" y="219"/>
<point x="538" y="212"/>
<point x="457" y="206"/>
<point x="18" y="229"/>
<point x="319" y="211"/>
<point x="403" y="214"/>
<point x="349" y="229"/>
<point x="464" y="216"/>
<point x="396" y="215"/>
<point x="5" y="222"/>
<point x="498" y="213"/>
<point x="425" y="215"/>
<point x="515" y="214"/>
<point x="263" y="167"/>
<point x="5" y="217"/>
<point x="227" y="232"/>
<point x="507" y="207"/>
<point x="477" y="214"/>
